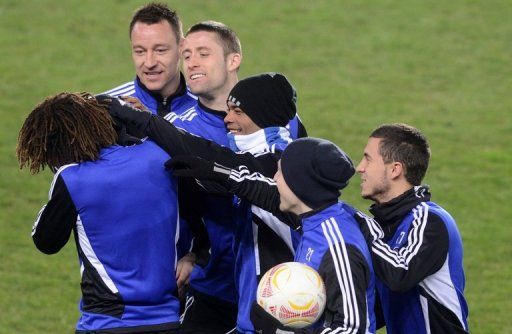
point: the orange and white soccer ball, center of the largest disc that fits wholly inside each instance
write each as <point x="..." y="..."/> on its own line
<point x="293" y="293"/>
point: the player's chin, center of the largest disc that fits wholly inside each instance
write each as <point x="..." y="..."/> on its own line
<point x="197" y="88"/>
<point x="153" y="85"/>
<point x="366" y="194"/>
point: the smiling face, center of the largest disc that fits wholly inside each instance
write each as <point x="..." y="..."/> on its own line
<point x="155" y="54"/>
<point x="237" y="121"/>
<point x="209" y="71"/>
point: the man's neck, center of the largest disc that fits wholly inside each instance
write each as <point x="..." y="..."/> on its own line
<point x="217" y="100"/>
<point x="172" y="87"/>
<point x="301" y="208"/>
<point x="215" y="103"/>
<point x="395" y="191"/>
<point x="297" y="207"/>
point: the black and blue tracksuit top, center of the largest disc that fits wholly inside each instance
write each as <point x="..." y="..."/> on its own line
<point x="122" y="209"/>
<point x="417" y="255"/>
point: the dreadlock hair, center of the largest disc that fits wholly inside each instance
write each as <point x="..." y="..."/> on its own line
<point x="63" y="129"/>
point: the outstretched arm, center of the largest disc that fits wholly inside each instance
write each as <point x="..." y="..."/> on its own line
<point x="176" y="141"/>
<point x="255" y="187"/>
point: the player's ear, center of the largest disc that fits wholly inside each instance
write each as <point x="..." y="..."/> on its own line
<point x="234" y="60"/>
<point x="180" y="45"/>
<point x="397" y="170"/>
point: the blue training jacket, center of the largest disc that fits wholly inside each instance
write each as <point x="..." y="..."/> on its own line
<point x="216" y="278"/>
<point x="332" y="244"/>
<point x="181" y="101"/>
<point x="417" y="254"/>
<point x="123" y="211"/>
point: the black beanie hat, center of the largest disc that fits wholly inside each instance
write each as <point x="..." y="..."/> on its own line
<point x="268" y="99"/>
<point x="316" y="170"/>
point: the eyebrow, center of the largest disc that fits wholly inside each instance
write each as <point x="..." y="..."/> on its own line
<point x="134" y="46"/>
<point x="234" y="107"/>
<point x="199" y="49"/>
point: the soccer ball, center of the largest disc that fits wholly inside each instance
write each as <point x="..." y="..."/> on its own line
<point x="293" y="293"/>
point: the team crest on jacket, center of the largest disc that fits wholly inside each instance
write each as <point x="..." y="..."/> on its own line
<point x="399" y="240"/>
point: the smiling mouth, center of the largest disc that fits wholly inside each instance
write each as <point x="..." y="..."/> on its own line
<point x="197" y="76"/>
<point x="234" y="131"/>
<point x="153" y="74"/>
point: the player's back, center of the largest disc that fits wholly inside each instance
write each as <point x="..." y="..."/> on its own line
<point x="126" y="228"/>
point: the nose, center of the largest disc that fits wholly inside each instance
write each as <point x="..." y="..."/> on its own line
<point x="190" y="62"/>
<point x="150" y="60"/>
<point x="229" y="117"/>
<point x="360" y="167"/>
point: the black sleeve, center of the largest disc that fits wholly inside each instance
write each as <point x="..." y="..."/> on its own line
<point x="345" y="310"/>
<point x="173" y="140"/>
<point x="55" y="221"/>
<point x="423" y="254"/>
<point x="176" y="141"/>
<point x="379" y="314"/>
<point x="191" y="206"/>
<point x="257" y="185"/>
<point x="261" y="191"/>
<point x="254" y="187"/>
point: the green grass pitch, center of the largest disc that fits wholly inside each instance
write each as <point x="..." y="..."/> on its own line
<point x="443" y="66"/>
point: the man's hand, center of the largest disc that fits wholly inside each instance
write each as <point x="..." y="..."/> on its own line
<point x="197" y="167"/>
<point x="125" y="139"/>
<point x="183" y="270"/>
<point x="114" y="105"/>
<point x="117" y="107"/>
<point x="134" y="102"/>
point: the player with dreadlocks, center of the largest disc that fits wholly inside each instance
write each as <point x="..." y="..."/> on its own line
<point x="52" y="136"/>
<point x="125" y="242"/>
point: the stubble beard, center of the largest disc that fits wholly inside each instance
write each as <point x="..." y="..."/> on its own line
<point x="378" y="191"/>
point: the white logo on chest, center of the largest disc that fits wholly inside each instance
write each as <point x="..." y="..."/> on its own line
<point x="309" y="254"/>
<point x="398" y="241"/>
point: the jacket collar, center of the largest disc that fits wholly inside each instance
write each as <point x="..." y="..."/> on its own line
<point x="271" y="139"/>
<point x="182" y="89"/>
<point x="311" y="219"/>
<point x="218" y="113"/>
<point x="394" y="211"/>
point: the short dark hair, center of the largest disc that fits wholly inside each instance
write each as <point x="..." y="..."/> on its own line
<point x="406" y="144"/>
<point x="155" y="12"/>
<point x="63" y="129"/>
<point x="228" y="37"/>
